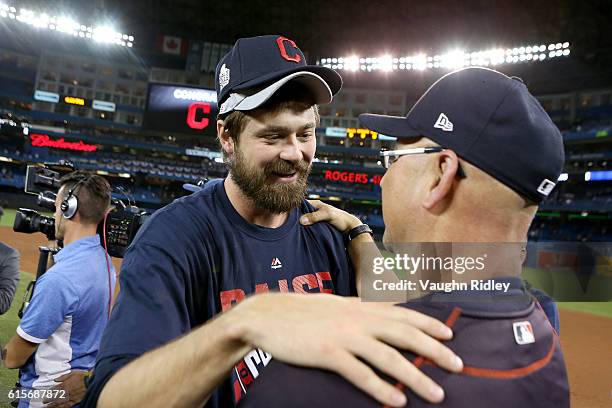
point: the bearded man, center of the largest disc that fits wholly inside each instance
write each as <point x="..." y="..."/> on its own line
<point x="203" y="254"/>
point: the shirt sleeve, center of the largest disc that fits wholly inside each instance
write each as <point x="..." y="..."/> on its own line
<point x="549" y="306"/>
<point x="150" y="311"/>
<point x="54" y="299"/>
<point x="9" y="279"/>
<point x="343" y="273"/>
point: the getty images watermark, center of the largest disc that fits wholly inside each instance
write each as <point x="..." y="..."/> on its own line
<point x="451" y="265"/>
<point x="566" y="271"/>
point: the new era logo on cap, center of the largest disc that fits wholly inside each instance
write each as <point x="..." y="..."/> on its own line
<point x="546" y="187"/>
<point x="444" y="123"/>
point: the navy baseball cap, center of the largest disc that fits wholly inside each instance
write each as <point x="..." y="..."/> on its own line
<point x="491" y="121"/>
<point x="257" y="67"/>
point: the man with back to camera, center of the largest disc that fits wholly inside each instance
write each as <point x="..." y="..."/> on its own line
<point x="204" y="253"/>
<point x="62" y="326"/>
<point x="475" y="156"/>
<point x="9" y="276"/>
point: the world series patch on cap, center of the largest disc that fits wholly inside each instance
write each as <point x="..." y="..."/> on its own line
<point x="257" y="67"/>
<point x="490" y="120"/>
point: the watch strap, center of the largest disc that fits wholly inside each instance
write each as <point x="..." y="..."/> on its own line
<point x="358" y="230"/>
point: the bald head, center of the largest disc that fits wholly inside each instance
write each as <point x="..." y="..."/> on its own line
<point x="493" y="204"/>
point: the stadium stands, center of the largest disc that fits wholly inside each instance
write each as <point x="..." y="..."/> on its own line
<point x="151" y="164"/>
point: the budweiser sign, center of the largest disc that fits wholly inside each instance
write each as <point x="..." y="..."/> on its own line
<point x="39" y="140"/>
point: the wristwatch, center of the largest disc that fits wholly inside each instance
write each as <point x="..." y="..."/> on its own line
<point x="358" y="230"/>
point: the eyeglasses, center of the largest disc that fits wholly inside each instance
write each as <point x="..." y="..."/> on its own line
<point x="390" y="156"/>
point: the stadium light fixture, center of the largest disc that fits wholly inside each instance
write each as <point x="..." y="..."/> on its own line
<point x="352" y="63"/>
<point x="451" y="60"/>
<point x="419" y="62"/>
<point x="384" y="63"/>
<point x="454" y="59"/>
<point x="66" y="25"/>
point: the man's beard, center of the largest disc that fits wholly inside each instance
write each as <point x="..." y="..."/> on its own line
<point x="256" y="183"/>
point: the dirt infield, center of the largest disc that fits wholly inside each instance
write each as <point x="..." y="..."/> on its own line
<point x="585" y="338"/>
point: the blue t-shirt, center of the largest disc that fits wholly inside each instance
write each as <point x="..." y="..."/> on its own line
<point x="67" y="314"/>
<point x="198" y="257"/>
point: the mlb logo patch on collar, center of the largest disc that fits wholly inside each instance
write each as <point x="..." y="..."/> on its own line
<point x="523" y="333"/>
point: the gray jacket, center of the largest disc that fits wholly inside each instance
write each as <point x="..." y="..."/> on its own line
<point x="9" y="276"/>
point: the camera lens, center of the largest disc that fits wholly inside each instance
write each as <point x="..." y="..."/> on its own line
<point x="29" y="221"/>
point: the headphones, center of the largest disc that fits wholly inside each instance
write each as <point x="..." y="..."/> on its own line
<point x="70" y="204"/>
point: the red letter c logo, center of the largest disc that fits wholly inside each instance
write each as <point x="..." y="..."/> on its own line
<point x="191" y="115"/>
<point x="283" y="50"/>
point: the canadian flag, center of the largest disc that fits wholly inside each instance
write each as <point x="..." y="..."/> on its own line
<point x="173" y="45"/>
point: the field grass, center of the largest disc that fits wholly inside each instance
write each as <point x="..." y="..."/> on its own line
<point x="597" y="308"/>
<point x="564" y="285"/>
<point x="8" y="324"/>
<point x="8" y="218"/>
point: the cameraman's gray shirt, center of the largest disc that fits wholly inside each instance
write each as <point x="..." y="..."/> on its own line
<point x="9" y="275"/>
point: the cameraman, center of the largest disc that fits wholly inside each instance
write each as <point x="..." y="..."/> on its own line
<point x="61" y="329"/>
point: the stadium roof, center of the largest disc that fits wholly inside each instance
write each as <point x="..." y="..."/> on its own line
<point x="326" y="28"/>
<point x="336" y="27"/>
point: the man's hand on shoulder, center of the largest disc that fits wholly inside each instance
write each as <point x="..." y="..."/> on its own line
<point x="343" y="334"/>
<point x="339" y="219"/>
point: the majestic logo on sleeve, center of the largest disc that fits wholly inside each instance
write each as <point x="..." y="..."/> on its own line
<point x="276" y="263"/>
<point x="444" y="123"/>
<point x="224" y="76"/>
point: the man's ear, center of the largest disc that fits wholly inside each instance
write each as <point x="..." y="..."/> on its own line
<point x="227" y="143"/>
<point x="447" y="167"/>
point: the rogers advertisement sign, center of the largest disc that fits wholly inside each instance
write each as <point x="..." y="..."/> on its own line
<point x="40" y="140"/>
<point x="180" y="109"/>
<point x="351" y="177"/>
